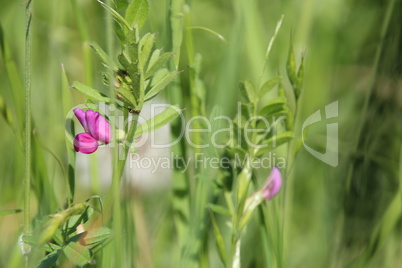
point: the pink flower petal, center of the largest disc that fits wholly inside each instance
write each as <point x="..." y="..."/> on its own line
<point x="85" y="143"/>
<point x="273" y="185"/>
<point x="98" y="126"/>
<point x="80" y="114"/>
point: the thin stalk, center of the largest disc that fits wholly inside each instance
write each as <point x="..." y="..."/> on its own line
<point x="27" y="90"/>
<point x="114" y="194"/>
<point x="271" y="42"/>
<point x="195" y="103"/>
<point x="27" y="144"/>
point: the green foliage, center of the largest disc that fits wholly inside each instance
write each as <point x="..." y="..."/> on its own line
<point x="165" y="117"/>
<point x="137" y="13"/>
<point x="61" y="237"/>
<point x="348" y="216"/>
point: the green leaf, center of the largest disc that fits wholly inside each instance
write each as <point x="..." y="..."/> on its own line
<point x="160" y="85"/>
<point x="15" y="81"/>
<point x="146" y="45"/>
<point x="157" y="64"/>
<point x="299" y="79"/>
<point x="137" y="13"/>
<point x="268" y="85"/>
<point x="176" y="23"/>
<point x="291" y="66"/>
<point x="49" y="260"/>
<point x="6" y="112"/>
<point x="219" y="209"/>
<point x="155" y="56"/>
<point x="247" y="89"/>
<point x="33" y="241"/>
<point x="118" y="18"/>
<point x="273" y="106"/>
<point x="274" y="142"/>
<point x="97" y="236"/>
<point x="159" y="75"/>
<point x="121" y="4"/>
<point x="91" y="93"/>
<point x="132" y="49"/>
<point x="5" y="212"/>
<point x="104" y="57"/>
<point x="220" y="242"/>
<point x="127" y="95"/>
<point x="77" y="253"/>
<point x="165" y="117"/>
<point x="236" y="152"/>
<point x="123" y="60"/>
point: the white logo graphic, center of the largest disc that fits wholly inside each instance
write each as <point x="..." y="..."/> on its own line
<point x="330" y="156"/>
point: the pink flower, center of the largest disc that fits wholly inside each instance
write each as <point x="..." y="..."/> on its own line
<point x="273" y="185"/>
<point x="97" y="130"/>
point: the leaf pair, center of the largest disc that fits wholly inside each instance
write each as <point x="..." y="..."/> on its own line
<point x="250" y="92"/>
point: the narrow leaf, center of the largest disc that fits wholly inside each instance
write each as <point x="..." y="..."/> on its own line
<point x="154" y="66"/>
<point x="274" y="142"/>
<point x="146" y="45"/>
<point x="90" y="92"/>
<point x="116" y="15"/>
<point x="176" y="24"/>
<point x="273" y="106"/>
<point x="160" y="85"/>
<point x="248" y="91"/>
<point x="49" y="260"/>
<point x="127" y="95"/>
<point x="97" y="236"/>
<point x="165" y="117"/>
<point x="220" y="242"/>
<point x="154" y="57"/>
<point x="104" y="57"/>
<point x="268" y="85"/>
<point x="77" y="253"/>
<point x="219" y="209"/>
<point x="291" y="65"/>
<point x="299" y="79"/>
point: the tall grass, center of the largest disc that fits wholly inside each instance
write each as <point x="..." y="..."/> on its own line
<point x="344" y="216"/>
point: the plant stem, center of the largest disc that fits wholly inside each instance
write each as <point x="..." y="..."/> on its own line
<point x="27" y="144"/>
<point x="27" y="90"/>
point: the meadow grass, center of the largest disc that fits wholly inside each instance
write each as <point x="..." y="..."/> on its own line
<point x="324" y="216"/>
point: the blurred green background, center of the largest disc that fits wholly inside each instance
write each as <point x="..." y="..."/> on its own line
<point x="344" y="216"/>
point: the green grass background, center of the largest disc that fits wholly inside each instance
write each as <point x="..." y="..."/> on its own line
<point x="347" y="216"/>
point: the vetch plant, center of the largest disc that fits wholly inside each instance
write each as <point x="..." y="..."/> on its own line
<point x="137" y="78"/>
<point x="251" y="140"/>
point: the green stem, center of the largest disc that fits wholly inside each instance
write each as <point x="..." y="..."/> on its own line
<point x="194" y="101"/>
<point x="27" y="89"/>
<point x="27" y="147"/>
<point x="113" y="197"/>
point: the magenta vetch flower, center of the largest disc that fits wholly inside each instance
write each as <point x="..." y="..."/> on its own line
<point x="97" y="129"/>
<point x="273" y="185"/>
<point x="85" y="143"/>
